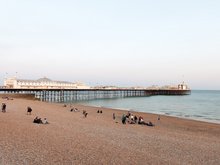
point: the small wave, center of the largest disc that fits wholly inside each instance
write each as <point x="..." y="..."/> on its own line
<point x="180" y="115"/>
<point x="97" y="106"/>
<point x="200" y="116"/>
<point x="209" y="118"/>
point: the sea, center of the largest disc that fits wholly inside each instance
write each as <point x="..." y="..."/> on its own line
<point x="202" y="105"/>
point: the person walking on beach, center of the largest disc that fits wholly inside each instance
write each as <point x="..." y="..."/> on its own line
<point x="113" y="116"/>
<point x="3" y="107"/>
<point x="158" y="117"/>
<point x="29" y="110"/>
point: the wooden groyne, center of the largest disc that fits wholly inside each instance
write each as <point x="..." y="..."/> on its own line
<point x="68" y="95"/>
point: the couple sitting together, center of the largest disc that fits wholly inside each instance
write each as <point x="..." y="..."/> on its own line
<point x="39" y="121"/>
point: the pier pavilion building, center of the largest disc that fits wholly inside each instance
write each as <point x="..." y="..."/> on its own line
<point x="42" y="83"/>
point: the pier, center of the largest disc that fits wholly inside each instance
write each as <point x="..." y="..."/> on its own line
<point x="68" y="95"/>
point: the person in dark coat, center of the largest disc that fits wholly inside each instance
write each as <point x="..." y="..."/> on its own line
<point x="29" y="110"/>
<point x="3" y="107"/>
<point x="123" y="119"/>
<point x="113" y="116"/>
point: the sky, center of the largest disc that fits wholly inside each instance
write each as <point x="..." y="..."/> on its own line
<point x="118" y="42"/>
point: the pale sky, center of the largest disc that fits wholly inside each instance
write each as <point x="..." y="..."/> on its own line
<point x="117" y="42"/>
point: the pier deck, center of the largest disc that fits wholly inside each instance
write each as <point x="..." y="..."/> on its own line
<point x="66" y="95"/>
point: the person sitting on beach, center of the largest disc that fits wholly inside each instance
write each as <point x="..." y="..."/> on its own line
<point x="35" y="120"/>
<point x="85" y="113"/>
<point x="101" y="111"/>
<point x="150" y="124"/>
<point x="132" y="117"/>
<point x="29" y="110"/>
<point x="45" y="121"/>
<point x="128" y="114"/>
<point x="140" y="120"/>
<point x="123" y="119"/>
<point x="40" y="121"/>
<point x="131" y="122"/>
<point x="71" y="110"/>
<point x="5" y="97"/>
<point x="98" y="111"/>
<point x="135" y="119"/>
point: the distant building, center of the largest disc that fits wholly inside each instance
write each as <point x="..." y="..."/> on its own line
<point x="42" y="83"/>
<point x="182" y="86"/>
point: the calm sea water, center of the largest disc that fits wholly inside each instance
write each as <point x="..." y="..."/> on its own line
<point x="200" y="105"/>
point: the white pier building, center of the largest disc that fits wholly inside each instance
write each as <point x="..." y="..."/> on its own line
<point x="42" y="83"/>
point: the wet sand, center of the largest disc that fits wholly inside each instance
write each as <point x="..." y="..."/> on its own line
<point x="71" y="138"/>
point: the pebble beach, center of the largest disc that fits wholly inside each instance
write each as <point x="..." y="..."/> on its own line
<point x="70" y="138"/>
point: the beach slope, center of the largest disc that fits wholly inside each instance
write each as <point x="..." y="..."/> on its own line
<point x="70" y="138"/>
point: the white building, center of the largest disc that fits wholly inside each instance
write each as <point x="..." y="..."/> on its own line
<point x="183" y="86"/>
<point x="42" y="83"/>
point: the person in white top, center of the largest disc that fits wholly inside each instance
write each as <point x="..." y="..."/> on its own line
<point x="132" y="117"/>
<point x="45" y="121"/>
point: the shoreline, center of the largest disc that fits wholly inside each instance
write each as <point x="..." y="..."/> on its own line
<point x="31" y="97"/>
<point x="70" y="138"/>
<point x="161" y="114"/>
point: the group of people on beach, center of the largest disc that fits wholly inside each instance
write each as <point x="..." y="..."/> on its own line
<point x="29" y="110"/>
<point x="128" y="118"/>
<point x="37" y="119"/>
<point x="74" y="110"/>
<point x="7" y="98"/>
<point x="40" y="121"/>
<point x="77" y="110"/>
<point x="99" y="111"/>
<point x="131" y="119"/>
